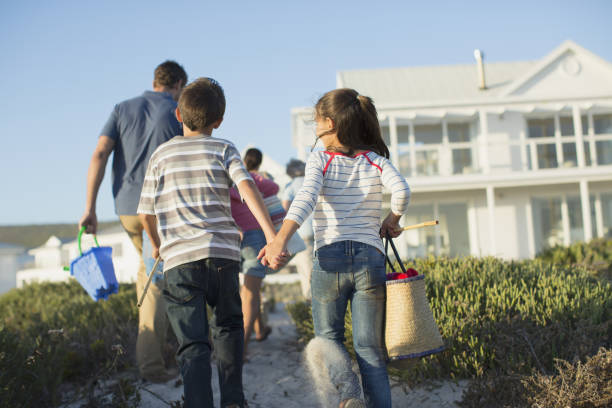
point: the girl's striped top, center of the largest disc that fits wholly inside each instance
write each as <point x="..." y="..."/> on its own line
<point x="346" y="194"/>
<point x="187" y="188"/>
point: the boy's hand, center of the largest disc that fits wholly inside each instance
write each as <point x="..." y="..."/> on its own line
<point x="90" y="221"/>
<point x="390" y="226"/>
<point x="272" y="257"/>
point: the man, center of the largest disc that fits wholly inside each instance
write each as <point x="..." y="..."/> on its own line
<point x="136" y="127"/>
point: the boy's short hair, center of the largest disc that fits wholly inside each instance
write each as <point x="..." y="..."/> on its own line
<point x="202" y="103"/>
<point x="169" y="74"/>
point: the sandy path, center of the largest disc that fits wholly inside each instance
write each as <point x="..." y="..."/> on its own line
<point x="275" y="377"/>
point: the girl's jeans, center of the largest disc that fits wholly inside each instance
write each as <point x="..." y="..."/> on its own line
<point x="354" y="271"/>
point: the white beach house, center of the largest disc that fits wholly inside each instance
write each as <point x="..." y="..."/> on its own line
<point x="511" y="157"/>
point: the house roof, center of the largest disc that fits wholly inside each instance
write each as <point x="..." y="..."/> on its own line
<point x="429" y="84"/>
<point x="459" y="83"/>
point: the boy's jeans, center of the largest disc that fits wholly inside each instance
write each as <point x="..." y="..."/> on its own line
<point x="189" y="287"/>
<point x="354" y="271"/>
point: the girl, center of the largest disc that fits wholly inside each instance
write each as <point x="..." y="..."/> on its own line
<point x="344" y="187"/>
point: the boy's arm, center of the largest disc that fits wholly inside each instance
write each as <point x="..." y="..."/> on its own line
<point x="149" y="222"/>
<point x="253" y="200"/>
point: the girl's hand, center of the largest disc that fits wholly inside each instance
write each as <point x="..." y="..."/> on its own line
<point x="390" y="226"/>
<point x="273" y="256"/>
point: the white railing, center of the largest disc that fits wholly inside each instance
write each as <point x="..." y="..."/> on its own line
<point x="535" y="154"/>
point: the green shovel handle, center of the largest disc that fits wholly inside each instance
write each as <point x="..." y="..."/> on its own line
<point x="81" y="231"/>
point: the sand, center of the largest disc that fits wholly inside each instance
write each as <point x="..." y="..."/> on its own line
<point x="275" y="376"/>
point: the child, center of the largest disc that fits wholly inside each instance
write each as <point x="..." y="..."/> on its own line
<point x="253" y="240"/>
<point x="344" y="187"/>
<point x="186" y="192"/>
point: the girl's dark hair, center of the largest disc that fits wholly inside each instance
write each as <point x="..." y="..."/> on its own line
<point x="252" y="159"/>
<point x="355" y="120"/>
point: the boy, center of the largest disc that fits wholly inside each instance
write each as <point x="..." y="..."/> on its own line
<point x="186" y="192"/>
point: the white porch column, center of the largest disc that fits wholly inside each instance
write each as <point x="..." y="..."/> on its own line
<point x="565" y="221"/>
<point x="393" y="139"/>
<point x="473" y="229"/>
<point x="437" y="239"/>
<point x="446" y="158"/>
<point x="577" y="119"/>
<point x="558" y="142"/>
<point x="411" y="146"/>
<point x="599" y="216"/>
<point x="530" y="233"/>
<point x="585" y="203"/>
<point x="484" y="141"/>
<point x="492" y="221"/>
<point x="523" y="140"/>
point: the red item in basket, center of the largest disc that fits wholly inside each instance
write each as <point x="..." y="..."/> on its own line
<point x="410" y="272"/>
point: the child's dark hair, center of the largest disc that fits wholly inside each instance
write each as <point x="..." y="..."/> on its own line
<point x="201" y="104"/>
<point x="355" y="120"/>
<point x="169" y="74"/>
<point x="295" y="168"/>
<point x="252" y="159"/>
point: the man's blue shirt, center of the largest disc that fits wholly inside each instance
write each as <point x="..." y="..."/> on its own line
<point x="138" y="126"/>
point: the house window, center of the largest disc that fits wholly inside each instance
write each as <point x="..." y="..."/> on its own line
<point x="385" y="135"/>
<point x="428" y="134"/>
<point x="403" y="145"/>
<point x="547" y="223"/>
<point x="546" y="150"/>
<point x="567" y="126"/>
<point x="459" y="137"/>
<point x="603" y="149"/>
<point x="458" y="132"/>
<point x="541" y="128"/>
<point x="574" y="212"/>
<point x="602" y="124"/>
<point x="420" y="242"/>
<point x="453" y="228"/>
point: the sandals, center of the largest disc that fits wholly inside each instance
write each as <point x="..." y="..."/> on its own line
<point x="266" y="332"/>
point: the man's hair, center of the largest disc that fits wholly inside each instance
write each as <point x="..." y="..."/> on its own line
<point x="169" y="74"/>
<point x="252" y="159"/>
<point x="201" y="104"/>
<point x="295" y="168"/>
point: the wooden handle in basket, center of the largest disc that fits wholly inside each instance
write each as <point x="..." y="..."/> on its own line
<point x="423" y="224"/>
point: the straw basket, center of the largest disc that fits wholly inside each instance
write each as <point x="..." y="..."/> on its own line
<point x="410" y="329"/>
<point x="94" y="270"/>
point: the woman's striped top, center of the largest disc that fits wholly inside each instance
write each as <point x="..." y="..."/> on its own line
<point x="346" y="195"/>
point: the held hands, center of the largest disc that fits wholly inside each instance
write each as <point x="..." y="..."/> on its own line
<point x="391" y="226"/>
<point x="273" y="256"/>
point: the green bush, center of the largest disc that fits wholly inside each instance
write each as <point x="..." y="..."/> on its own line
<point x="596" y="256"/>
<point x="504" y="317"/>
<point x="53" y="333"/>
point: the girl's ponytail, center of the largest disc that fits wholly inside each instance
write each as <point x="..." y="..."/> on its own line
<point x="355" y="120"/>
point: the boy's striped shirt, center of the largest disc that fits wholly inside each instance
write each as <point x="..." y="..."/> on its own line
<point x="187" y="188"/>
<point x="345" y="194"/>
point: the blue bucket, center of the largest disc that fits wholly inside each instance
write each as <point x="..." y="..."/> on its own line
<point x="94" y="270"/>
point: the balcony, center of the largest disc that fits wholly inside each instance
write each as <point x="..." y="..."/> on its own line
<point x="445" y="148"/>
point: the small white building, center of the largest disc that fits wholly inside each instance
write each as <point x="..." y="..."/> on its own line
<point x="12" y="257"/>
<point x="511" y="162"/>
<point x="51" y="257"/>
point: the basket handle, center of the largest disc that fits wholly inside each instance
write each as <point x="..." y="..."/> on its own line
<point x="81" y="231"/>
<point x="389" y="240"/>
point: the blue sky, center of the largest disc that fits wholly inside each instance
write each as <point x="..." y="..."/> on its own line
<point x="65" y="64"/>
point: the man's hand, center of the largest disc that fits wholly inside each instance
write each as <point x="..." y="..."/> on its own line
<point x="390" y="226"/>
<point x="155" y="252"/>
<point x="90" y="221"/>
